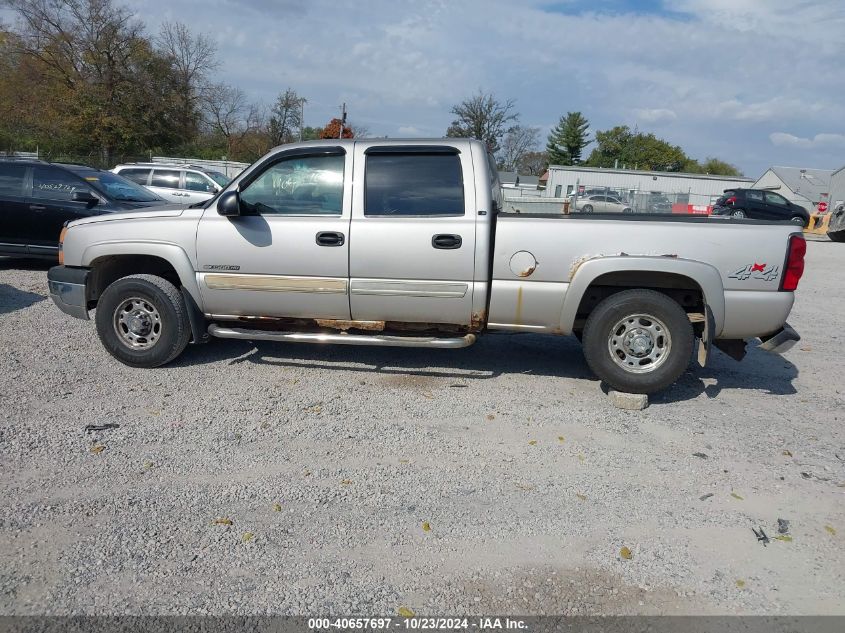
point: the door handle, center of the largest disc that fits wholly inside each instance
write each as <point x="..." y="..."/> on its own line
<point x="330" y="238"/>
<point x="446" y="242"/>
<point x="37" y="207"/>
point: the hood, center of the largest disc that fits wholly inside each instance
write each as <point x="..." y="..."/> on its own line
<point x="165" y="211"/>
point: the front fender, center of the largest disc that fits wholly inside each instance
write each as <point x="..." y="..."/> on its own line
<point x="174" y="254"/>
<point x="703" y="275"/>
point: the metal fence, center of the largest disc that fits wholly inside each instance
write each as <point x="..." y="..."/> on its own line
<point x="610" y="199"/>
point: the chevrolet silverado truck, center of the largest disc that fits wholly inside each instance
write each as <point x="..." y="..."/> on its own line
<point x="402" y="243"/>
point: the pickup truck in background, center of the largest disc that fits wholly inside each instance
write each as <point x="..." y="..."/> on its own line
<point x="401" y="243"/>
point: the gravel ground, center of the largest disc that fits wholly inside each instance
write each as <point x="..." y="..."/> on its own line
<point x="297" y="479"/>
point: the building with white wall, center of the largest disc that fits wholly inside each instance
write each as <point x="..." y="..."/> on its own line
<point x="804" y="187"/>
<point x="837" y="188"/>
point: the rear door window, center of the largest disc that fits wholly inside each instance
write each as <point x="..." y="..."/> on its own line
<point x="166" y="178"/>
<point x="754" y="196"/>
<point x="140" y="176"/>
<point x="50" y="183"/>
<point x="775" y="198"/>
<point x="11" y="179"/>
<point x="198" y="182"/>
<point x="413" y="185"/>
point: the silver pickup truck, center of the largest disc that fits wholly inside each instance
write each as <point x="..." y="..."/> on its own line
<point x="402" y="243"/>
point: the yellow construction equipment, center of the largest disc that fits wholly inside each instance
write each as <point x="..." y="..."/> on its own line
<point x="818" y="225"/>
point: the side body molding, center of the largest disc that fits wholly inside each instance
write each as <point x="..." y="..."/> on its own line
<point x="172" y="253"/>
<point x="705" y="275"/>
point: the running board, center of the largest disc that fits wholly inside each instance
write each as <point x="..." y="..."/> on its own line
<point x="342" y="339"/>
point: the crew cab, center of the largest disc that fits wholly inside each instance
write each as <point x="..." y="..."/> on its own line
<point x="402" y="243"/>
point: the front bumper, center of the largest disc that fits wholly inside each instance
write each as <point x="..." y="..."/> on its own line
<point x="781" y="341"/>
<point x="68" y="290"/>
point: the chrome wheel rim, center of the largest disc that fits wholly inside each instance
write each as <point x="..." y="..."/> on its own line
<point x="738" y="214"/>
<point x="137" y="323"/>
<point x="639" y="343"/>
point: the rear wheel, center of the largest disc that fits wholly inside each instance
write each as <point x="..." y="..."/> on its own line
<point x="638" y="341"/>
<point x="797" y="219"/>
<point x="142" y="321"/>
<point x="738" y="213"/>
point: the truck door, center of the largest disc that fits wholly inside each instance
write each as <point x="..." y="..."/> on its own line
<point x="14" y="208"/>
<point x="288" y="254"/>
<point x="412" y="253"/>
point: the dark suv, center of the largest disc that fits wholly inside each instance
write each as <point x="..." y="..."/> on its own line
<point x="37" y="198"/>
<point x="760" y="204"/>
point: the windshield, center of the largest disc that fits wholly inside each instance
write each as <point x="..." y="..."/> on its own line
<point x="119" y="188"/>
<point x="217" y="177"/>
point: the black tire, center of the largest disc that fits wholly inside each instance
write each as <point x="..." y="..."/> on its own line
<point x="836" y="236"/>
<point x="601" y="328"/>
<point x="738" y="214"/>
<point x="587" y="208"/>
<point x="154" y="296"/>
<point x="797" y="219"/>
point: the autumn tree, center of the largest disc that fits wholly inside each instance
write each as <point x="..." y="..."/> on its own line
<point x="568" y="139"/>
<point x="92" y="61"/>
<point x="483" y="117"/>
<point x="332" y="130"/>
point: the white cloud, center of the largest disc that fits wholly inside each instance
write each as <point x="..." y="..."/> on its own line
<point x="818" y="141"/>
<point x="410" y="130"/>
<point x="719" y="80"/>
<point x="655" y="115"/>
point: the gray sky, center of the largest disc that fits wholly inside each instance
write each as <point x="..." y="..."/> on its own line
<point x="754" y="82"/>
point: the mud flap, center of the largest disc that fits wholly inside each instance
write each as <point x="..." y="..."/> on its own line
<point x="706" y="340"/>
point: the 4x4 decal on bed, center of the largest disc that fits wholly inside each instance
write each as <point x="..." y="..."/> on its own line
<point x="756" y="271"/>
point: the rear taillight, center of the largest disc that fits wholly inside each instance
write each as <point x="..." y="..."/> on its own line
<point x="794" y="263"/>
<point x="730" y="200"/>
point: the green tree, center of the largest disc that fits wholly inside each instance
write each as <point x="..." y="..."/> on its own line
<point x="483" y="117"/>
<point x="719" y="168"/>
<point x="568" y="139"/>
<point x="621" y="147"/>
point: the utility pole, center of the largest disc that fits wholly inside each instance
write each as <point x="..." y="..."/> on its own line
<point x="342" y="121"/>
<point x="302" y="101"/>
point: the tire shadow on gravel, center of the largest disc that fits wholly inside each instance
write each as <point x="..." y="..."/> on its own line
<point x="492" y="356"/>
<point x="758" y="371"/>
<point x="12" y="299"/>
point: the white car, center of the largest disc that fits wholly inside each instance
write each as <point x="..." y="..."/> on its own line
<point x="181" y="184"/>
<point x="601" y="204"/>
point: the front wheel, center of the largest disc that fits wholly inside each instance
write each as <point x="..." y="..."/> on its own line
<point x="797" y="219"/>
<point x="142" y="321"/>
<point x="588" y="208"/>
<point x="638" y="341"/>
